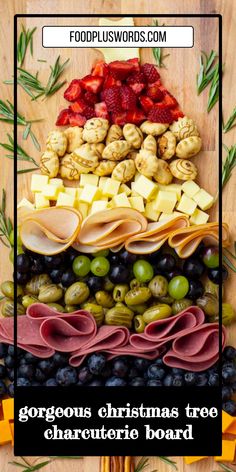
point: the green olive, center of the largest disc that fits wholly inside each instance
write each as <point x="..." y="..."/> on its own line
<point x="212" y="288"/>
<point x="139" y="324"/>
<point x="50" y="293"/>
<point x="76" y="294"/>
<point x="137" y="296"/>
<point x="209" y="304"/>
<point x="119" y="292"/>
<point x="228" y="314"/>
<point x="139" y="309"/>
<point x="104" y="299"/>
<point x="36" y="282"/>
<point x="28" y="300"/>
<point x="108" y="285"/>
<point x="166" y="299"/>
<point x="134" y="284"/>
<point x="71" y="308"/>
<point x="158" y="286"/>
<point x="7" y="288"/>
<point x="119" y="315"/>
<point x="157" y="312"/>
<point x="8" y="308"/>
<point x="56" y="307"/>
<point x="95" y="310"/>
<point x="180" y="305"/>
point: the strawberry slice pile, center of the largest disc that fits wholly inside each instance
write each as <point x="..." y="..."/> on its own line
<point x="122" y="92"/>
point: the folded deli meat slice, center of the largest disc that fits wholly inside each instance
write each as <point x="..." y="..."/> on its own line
<point x="155" y="235"/>
<point x="198" y="350"/>
<point x="50" y="230"/>
<point x="111" y="228"/>
<point x="186" y="240"/>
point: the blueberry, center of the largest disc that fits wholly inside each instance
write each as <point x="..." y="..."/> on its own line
<point x="202" y="379"/>
<point x="190" y="378"/>
<point x="214" y="274"/>
<point x="115" y="382"/>
<point x="193" y="268"/>
<point x="137" y="382"/>
<point x="56" y="275"/>
<point x="22" y="277"/>
<point x="173" y="273"/>
<point x="23" y="263"/>
<point x="35" y="384"/>
<point x="10" y="390"/>
<point x="177" y="370"/>
<point x="229" y="373"/>
<point x="96" y="363"/>
<point x="51" y="383"/>
<point x="166" y="262"/>
<point x="11" y="350"/>
<point x="30" y="358"/>
<point x="119" y="274"/>
<point x="9" y="362"/>
<point x="22" y="382"/>
<point x="37" y="267"/>
<point x="114" y="258"/>
<point x="178" y="380"/>
<point x="39" y="375"/>
<point x="66" y="376"/>
<point x="46" y="365"/>
<point x="141" y="364"/>
<point x="213" y="380"/>
<point x="155" y="372"/>
<point x="79" y="383"/>
<point x="106" y="372"/>
<point x="133" y="372"/>
<point x="196" y="289"/>
<point x="70" y="255"/>
<point x="3" y="388"/>
<point x="68" y="278"/>
<point x="3" y="350"/>
<point x="95" y="283"/>
<point x="85" y="375"/>
<point x="233" y="386"/>
<point x="154" y="383"/>
<point x="230" y="353"/>
<point x="227" y="393"/>
<point x="53" y="262"/>
<point x="3" y="371"/>
<point x="10" y="374"/>
<point x="168" y="380"/>
<point x="120" y="368"/>
<point x="59" y="359"/>
<point x="127" y="257"/>
<point x="27" y="371"/>
<point x="95" y="383"/>
<point x="159" y="362"/>
<point x="230" y="407"/>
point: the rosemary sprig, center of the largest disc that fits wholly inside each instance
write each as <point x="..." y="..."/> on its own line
<point x="207" y="70"/>
<point x="6" y="225"/>
<point x="158" y="52"/>
<point x="21" y="154"/>
<point x="168" y="461"/>
<point x="56" y="72"/>
<point x="142" y="464"/>
<point x="31" y="468"/>
<point x="225" y="467"/>
<point x="214" y="90"/>
<point x="25" y="39"/>
<point x="231" y="122"/>
<point x="228" y="164"/>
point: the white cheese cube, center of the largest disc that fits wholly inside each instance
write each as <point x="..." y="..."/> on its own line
<point x="90" y="179"/>
<point x="57" y="182"/>
<point x="38" y="181"/>
<point x="41" y="201"/>
<point x="64" y="199"/>
<point x="99" y="205"/>
<point x="199" y="217"/>
<point x="203" y="199"/>
<point x="71" y="191"/>
<point x="165" y="201"/>
<point x="89" y="194"/>
<point x="83" y="208"/>
<point x="111" y="187"/>
<point x="186" y="205"/>
<point x="136" y="177"/>
<point x="137" y="203"/>
<point x="125" y="189"/>
<point x="50" y="191"/>
<point x="144" y="187"/>
<point x="25" y="203"/>
<point x="102" y="182"/>
<point x="121" y="200"/>
<point x="172" y="188"/>
<point x="150" y="212"/>
<point x="190" y="188"/>
<point x="167" y="216"/>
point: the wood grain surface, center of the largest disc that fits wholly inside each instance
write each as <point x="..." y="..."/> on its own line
<point x="179" y="77"/>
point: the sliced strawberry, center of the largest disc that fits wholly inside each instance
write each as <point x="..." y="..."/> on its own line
<point x="150" y="73"/>
<point x="110" y="81"/>
<point x="73" y="91"/>
<point x="119" y="118"/>
<point x="176" y="114"/>
<point x="112" y="98"/>
<point x="101" y="110"/>
<point x="128" y="98"/>
<point x="121" y="69"/>
<point x="92" y="83"/>
<point x="100" y="69"/>
<point x="137" y="88"/>
<point x="79" y="106"/>
<point x="137" y="82"/>
<point x="135" y="62"/>
<point x="90" y="98"/>
<point x="75" y="119"/>
<point x="63" y="117"/>
<point x="146" y="103"/>
<point x="89" y="112"/>
<point x="168" y="101"/>
<point x="158" y="115"/>
<point x="154" y="92"/>
<point x="136" y="117"/>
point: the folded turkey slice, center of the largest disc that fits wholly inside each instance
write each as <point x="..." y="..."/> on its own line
<point x="186" y="240"/>
<point x="107" y="229"/>
<point x="155" y="235"/>
<point x="50" y="230"/>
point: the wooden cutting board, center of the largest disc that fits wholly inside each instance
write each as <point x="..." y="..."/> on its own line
<point x="179" y="77"/>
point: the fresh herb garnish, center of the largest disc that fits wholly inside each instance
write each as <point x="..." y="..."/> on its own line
<point x="207" y="71"/>
<point x="21" y="154"/>
<point x="168" y="461"/>
<point x="214" y="90"/>
<point x="158" y="52"/>
<point x="25" y="39"/>
<point x="144" y="463"/>
<point x="6" y="225"/>
<point x="7" y="115"/>
<point x="228" y="164"/>
<point x="225" y="467"/>
<point x="56" y="71"/>
<point x="226" y="259"/>
<point x="231" y="122"/>
<point x="31" y="468"/>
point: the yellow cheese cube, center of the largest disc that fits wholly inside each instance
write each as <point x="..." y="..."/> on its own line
<point x="89" y="193"/>
<point x="186" y="205"/>
<point x="78" y="193"/>
<point x="172" y="188"/>
<point x="50" y="191"/>
<point x="227" y="420"/>
<point x="38" y="181"/>
<point x="83" y="208"/>
<point x="199" y="217"/>
<point x="203" y="199"/>
<point x="71" y="191"/>
<point x="5" y="432"/>
<point x="150" y="211"/>
<point x="137" y="203"/>
<point x="64" y="199"/>
<point x="99" y="205"/>
<point x="124" y="189"/>
<point x="41" y="201"/>
<point x="144" y="187"/>
<point x="57" y="182"/>
<point x="102" y="182"/>
<point x="190" y="188"/>
<point x="228" y="452"/>
<point x="191" y="459"/>
<point x="111" y="187"/>
<point x="166" y="216"/>
<point x="165" y="201"/>
<point x="90" y="179"/>
<point x="121" y="200"/>
<point x="136" y="177"/>
<point x="8" y="409"/>
<point x="12" y="432"/>
<point x="25" y="203"/>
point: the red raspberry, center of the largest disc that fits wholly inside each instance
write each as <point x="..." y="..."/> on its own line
<point x="136" y="78"/>
<point x="111" y="97"/>
<point x="128" y="98"/>
<point x="146" y="103"/>
<point x="90" y="98"/>
<point x="158" y="115"/>
<point x="89" y="112"/>
<point x="150" y="73"/>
